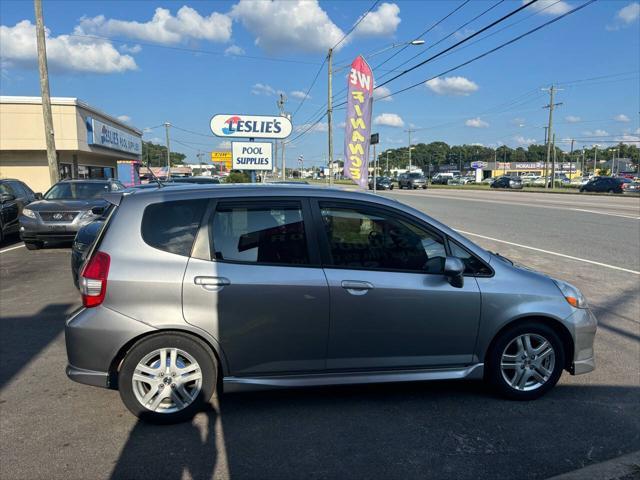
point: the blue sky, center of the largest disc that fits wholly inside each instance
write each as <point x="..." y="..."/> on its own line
<point x="182" y="62"/>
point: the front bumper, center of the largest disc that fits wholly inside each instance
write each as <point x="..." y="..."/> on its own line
<point x="35" y="229"/>
<point x="583" y="325"/>
<point x="94" y="337"/>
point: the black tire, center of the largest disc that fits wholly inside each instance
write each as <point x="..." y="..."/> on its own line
<point x="34" y="245"/>
<point x="424" y="187"/>
<point x="581" y="190"/>
<point x="189" y="344"/>
<point x="611" y="190"/>
<point x="493" y="371"/>
<point x="391" y="187"/>
<point x="414" y="187"/>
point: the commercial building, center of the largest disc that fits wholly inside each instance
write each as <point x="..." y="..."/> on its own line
<point x="89" y="142"/>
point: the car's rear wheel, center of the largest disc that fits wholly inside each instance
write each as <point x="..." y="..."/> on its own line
<point x="33" y="245"/>
<point x="526" y="361"/>
<point x="167" y="378"/>
<point x="611" y="190"/>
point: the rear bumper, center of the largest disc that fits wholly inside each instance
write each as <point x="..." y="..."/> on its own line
<point x="94" y="337"/>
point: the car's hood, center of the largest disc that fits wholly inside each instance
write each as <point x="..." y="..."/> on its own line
<point x="66" y="205"/>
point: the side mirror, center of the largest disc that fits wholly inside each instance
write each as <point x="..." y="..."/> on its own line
<point x="453" y="271"/>
<point x="6" y="197"/>
<point x="97" y="210"/>
<point x="39" y="196"/>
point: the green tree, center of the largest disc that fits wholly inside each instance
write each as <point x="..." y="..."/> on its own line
<point x="156" y="155"/>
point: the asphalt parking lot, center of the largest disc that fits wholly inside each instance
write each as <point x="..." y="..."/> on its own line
<point x="53" y="428"/>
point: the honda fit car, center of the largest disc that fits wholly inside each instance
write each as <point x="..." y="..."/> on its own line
<point x="66" y="207"/>
<point x="189" y="291"/>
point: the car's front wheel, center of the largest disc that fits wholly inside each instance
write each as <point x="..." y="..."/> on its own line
<point x="167" y="378"/>
<point x="526" y="361"/>
<point x="34" y="245"/>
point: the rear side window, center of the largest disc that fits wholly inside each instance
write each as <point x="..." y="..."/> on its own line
<point x="172" y="226"/>
<point x="260" y="233"/>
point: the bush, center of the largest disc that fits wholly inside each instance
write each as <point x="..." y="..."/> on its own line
<point x="237" y="177"/>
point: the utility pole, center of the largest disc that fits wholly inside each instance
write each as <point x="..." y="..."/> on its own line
<point x="570" y="159"/>
<point x="281" y="102"/>
<point x="52" y="157"/>
<point x="410" y="131"/>
<point x="388" y="173"/>
<point x="595" y="158"/>
<point x="549" y="135"/>
<point x="166" y="126"/>
<point x="553" y="163"/>
<point x="329" y="115"/>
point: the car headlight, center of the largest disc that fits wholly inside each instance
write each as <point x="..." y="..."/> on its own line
<point x="571" y="294"/>
<point x="28" y="213"/>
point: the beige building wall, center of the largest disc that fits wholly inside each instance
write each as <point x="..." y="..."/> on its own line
<point x="22" y="139"/>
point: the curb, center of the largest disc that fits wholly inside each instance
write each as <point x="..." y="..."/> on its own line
<point x="626" y="467"/>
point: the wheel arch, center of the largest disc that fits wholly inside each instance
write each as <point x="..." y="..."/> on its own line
<point x="554" y="324"/>
<point x="213" y="347"/>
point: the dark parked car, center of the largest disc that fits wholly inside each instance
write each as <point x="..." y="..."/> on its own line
<point x="412" y="181"/>
<point x="199" y="180"/>
<point x="507" y="182"/>
<point x="14" y="195"/>
<point x="66" y="207"/>
<point x="382" y="183"/>
<point x="603" y="184"/>
<point x="633" y="187"/>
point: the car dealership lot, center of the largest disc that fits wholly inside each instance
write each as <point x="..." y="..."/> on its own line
<point x="53" y="428"/>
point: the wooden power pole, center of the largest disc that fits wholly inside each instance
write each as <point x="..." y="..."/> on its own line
<point x="52" y="157"/>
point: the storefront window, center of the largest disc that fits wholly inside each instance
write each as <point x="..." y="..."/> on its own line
<point x="65" y="171"/>
<point x="86" y="171"/>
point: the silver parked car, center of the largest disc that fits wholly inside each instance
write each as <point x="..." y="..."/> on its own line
<point x="191" y="290"/>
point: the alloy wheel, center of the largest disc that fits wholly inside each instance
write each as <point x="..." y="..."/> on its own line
<point x="528" y="362"/>
<point x="167" y="380"/>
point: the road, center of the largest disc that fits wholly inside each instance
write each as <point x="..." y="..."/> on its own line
<point x="53" y="428"/>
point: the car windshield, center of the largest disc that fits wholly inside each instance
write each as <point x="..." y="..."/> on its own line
<point x="76" y="191"/>
<point x="415" y="175"/>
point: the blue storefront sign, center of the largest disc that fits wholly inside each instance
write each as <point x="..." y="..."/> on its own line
<point x="107" y="136"/>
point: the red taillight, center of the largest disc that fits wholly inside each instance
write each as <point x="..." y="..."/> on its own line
<point x="93" y="279"/>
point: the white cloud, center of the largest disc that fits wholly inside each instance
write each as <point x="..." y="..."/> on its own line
<point x="299" y="95"/>
<point x="572" y="119"/>
<point x="124" y="118"/>
<point x="629" y="14"/>
<point x="382" y="22"/>
<point x="465" y="32"/>
<point x="595" y="133"/>
<point x="452" y="86"/>
<point x="621" y="118"/>
<point x="130" y="49"/>
<point x="288" y="25"/>
<point x="318" y="127"/>
<point x="224" y="144"/>
<point x="519" y="121"/>
<point x="522" y="141"/>
<point x="147" y="130"/>
<point x="476" y="123"/>
<point x="263" y="89"/>
<point x="234" y="50"/>
<point x="625" y="17"/>
<point x="389" y="120"/>
<point x="163" y="26"/>
<point x="630" y="139"/>
<point x="550" y="7"/>
<point x="64" y="53"/>
<point x="380" y="92"/>
<point x="342" y="124"/>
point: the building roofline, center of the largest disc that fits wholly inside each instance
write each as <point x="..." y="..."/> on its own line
<point x="73" y="101"/>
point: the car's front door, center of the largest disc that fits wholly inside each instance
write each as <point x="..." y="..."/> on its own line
<point x="260" y="289"/>
<point x="391" y="305"/>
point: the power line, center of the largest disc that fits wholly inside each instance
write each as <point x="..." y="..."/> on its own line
<point x="306" y="95"/>
<point x="499" y="47"/>
<point x="194" y="50"/>
<point x="484" y="29"/>
<point x="307" y="129"/>
<point x="452" y="33"/>
<point x="425" y="32"/>
<point x="373" y="5"/>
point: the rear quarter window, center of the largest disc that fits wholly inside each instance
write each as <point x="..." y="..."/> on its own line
<point x="172" y="226"/>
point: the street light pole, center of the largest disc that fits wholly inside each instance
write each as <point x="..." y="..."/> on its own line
<point x="166" y="126"/>
<point x="329" y="116"/>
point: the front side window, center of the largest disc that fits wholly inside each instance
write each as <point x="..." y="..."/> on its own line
<point x="260" y="233"/>
<point x="377" y="240"/>
<point x="172" y="226"/>
<point x="472" y="264"/>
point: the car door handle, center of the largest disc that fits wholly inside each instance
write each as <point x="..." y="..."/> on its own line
<point x="355" y="287"/>
<point x="211" y="283"/>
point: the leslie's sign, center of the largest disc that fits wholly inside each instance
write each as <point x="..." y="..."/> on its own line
<point x="104" y="135"/>
<point x="250" y="126"/>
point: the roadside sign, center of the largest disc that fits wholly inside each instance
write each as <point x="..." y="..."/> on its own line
<point x="252" y="156"/>
<point x="479" y="165"/>
<point x="375" y="138"/>
<point x="223" y="158"/>
<point x="250" y="126"/>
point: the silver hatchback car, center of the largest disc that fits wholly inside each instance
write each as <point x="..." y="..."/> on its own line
<point x="190" y="290"/>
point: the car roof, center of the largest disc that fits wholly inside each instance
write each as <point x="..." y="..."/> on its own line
<point x="88" y="180"/>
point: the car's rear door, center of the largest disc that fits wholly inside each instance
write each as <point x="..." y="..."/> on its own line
<point x="258" y="286"/>
<point x="391" y="306"/>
